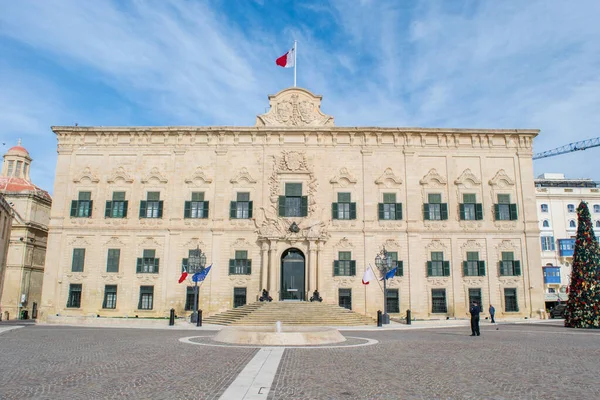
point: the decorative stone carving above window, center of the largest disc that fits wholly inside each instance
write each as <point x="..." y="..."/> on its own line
<point x="78" y="242"/>
<point x="195" y="243"/>
<point x="344" y="243"/>
<point x="198" y="177"/>
<point x="119" y="174"/>
<point x="433" y="179"/>
<point x="343" y="178"/>
<point x="388" y="179"/>
<point x="150" y="243"/>
<point x="436" y="245"/>
<point x="392" y="244"/>
<point x="437" y="281"/>
<point x="471" y="245"/>
<point x="241" y="244"/>
<point x="501" y="180"/>
<point x="86" y="176"/>
<point x="294" y="107"/>
<point x="114" y="242"/>
<point x="154" y="175"/>
<point x="467" y="179"/>
<point x="243" y="177"/>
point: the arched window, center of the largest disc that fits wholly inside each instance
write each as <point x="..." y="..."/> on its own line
<point x="572" y="224"/>
<point x="546" y="224"/>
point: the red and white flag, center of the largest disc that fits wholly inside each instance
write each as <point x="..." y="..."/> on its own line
<point x="183" y="276"/>
<point x="288" y="60"/>
<point x="368" y="276"/>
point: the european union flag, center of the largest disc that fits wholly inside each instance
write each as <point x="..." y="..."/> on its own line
<point x="199" y="276"/>
<point x="390" y="273"/>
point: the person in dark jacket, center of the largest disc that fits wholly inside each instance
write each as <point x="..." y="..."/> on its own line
<point x="492" y="313"/>
<point x="475" y="310"/>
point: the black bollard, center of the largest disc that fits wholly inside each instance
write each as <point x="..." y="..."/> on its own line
<point x="379" y="318"/>
<point x="408" y="321"/>
<point x="199" y="320"/>
<point x="172" y="317"/>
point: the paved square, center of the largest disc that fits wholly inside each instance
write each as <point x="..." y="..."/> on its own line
<point x="528" y="361"/>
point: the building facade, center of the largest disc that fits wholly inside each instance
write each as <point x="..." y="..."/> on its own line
<point x="557" y="202"/>
<point x="21" y="279"/>
<point x="6" y="216"/>
<point x="292" y="205"/>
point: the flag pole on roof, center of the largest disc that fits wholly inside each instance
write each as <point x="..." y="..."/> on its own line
<point x="288" y="60"/>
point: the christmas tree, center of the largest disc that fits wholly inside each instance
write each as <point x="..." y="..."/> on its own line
<point x="584" y="290"/>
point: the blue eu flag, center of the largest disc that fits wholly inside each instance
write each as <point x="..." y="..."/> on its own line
<point x="199" y="276"/>
<point x="390" y="273"/>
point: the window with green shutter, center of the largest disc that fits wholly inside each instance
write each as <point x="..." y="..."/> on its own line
<point x="78" y="260"/>
<point x="389" y="209"/>
<point x="438" y="301"/>
<point x="344" y="265"/>
<point x="392" y="300"/>
<point x="396" y="263"/>
<point x="117" y="207"/>
<point x="110" y="297"/>
<point x="74" y="298"/>
<point x="293" y="204"/>
<point x="240" y="265"/>
<point x="112" y="260"/>
<point x="344" y="208"/>
<point x="197" y="207"/>
<point x="148" y="263"/>
<point x="242" y="207"/>
<point x="82" y="207"/>
<point x="152" y="207"/>
<point x="509" y="266"/>
<point x="437" y="266"/>
<point x="435" y="209"/>
<point x="504" y="209"/>
<point x="146" y="298"/>
<point x="469" y="209"/>
<point x="473" y="266"/>
<point x="510" y="300"/>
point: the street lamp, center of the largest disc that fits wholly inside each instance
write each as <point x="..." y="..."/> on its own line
<point x="384" y="264"/>
<point x="196" y="263"/>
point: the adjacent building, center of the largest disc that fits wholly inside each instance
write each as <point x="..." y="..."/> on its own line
<point x="557" y="201"/>
<point x="22" y="274"/>
<point x="6" y="215"/>
<point x="293" y="204"/>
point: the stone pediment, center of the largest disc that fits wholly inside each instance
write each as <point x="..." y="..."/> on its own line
<point x="294" y="107"/>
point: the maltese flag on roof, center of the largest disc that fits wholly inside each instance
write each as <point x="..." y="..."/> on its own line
<point x="288" y="60"/>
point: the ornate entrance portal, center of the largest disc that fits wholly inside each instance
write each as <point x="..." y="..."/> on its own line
<point x="292" y="275"/>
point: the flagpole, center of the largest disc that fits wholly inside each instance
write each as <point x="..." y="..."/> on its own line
<point x="295" y="51"/>
<point x="376" y="277"/>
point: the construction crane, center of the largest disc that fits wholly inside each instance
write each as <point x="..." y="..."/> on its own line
<point x="584" y="144"/>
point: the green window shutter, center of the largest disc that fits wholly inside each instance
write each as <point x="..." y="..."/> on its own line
<point x="156" y="260"/>
<point x="336" y="268"/>
<point x="249" y="209"/>
<point x="206" y="208"/>
<point x="187" y="209"/>
<point x="352" y="267"/>
<point x="481" y="268"/>
<point x="465" y="268"/>
<point x="496" y="211"/>
<point x="143" y="209"/>
<point x="380" y="210"/>
<point x="461" y="208"/>
<point x="517" y="265"/>
<point x="233" y="209"/>
<point x="160" y="209"/>
<point x="502" y="270"/>
<point x="249" y="268"/>
<point x="429" y="271"/>
<point x="140" y="302"/>
<point x="425" y="211"/>
<point x="231" y="266"/>
<point x="398" y="211"/>
<point x="92" y="208"/>
<point x="282" y="206"/>
<point x="352" y="210"/>
<point x="125" y="206"/>
<point x="513" y="211"/>
<point x="108" y="209"/>
<point x="334" y="210"/>
<point x="400" y="270"/>
<point x="479" y="211"/>
<point x="446" y="268"/>
<point x="304" y="206"/>
<point x="444" y="210"/>
<point x="73" y="208"/>
<point x="140" y="263"/>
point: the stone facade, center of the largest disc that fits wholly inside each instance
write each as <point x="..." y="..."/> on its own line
<point x="21" y="279"/>
<point x="6" y="216"/>
<point x="289" y="170"/>
<point x="557" y="201"/>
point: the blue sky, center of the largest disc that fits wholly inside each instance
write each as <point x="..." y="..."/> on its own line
<point x="459" y="64"/>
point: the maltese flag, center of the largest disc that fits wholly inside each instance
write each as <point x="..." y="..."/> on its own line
<point x="287" y="60"/>
<point x="368" y="276"/>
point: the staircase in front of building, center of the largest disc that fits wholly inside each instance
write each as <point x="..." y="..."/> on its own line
<point x="290" y="313"/>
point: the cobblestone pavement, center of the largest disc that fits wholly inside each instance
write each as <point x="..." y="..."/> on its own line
<point x="524" y="361"/>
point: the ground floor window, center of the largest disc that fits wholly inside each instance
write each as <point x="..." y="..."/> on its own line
<point x="110" y="296"/>
<point x="74" y="300"/>
<point x="510" y="300"/>
<point x="393" y="301"/>
<point x="239" y="297"/>
<point x="189" y="298"/>
<point x="438" y="301"/>
<point x="146" y="297"/>
<point x="475" y="295"/>
<point x="345" y="298"/>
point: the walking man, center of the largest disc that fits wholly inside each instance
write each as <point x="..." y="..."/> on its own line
<point x="475" y="310"/>
<point x="492" y="312"/>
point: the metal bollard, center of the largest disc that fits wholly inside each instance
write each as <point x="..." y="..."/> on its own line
<point x="408" y="320"/>
<point x="172" y="317"/>
<point x="379" y="318"/>
<point x="199" y="320"/>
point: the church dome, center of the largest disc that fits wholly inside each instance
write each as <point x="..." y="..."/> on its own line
<point x="18" y="150"/>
